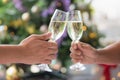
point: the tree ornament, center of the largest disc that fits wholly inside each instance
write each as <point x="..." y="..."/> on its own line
<point x="16" y="23"/>
<point x="30" y="29"/>
<point x="84" y="28"/>
<point x="43" y="28"/>
<point x="35" y="69"/>
<point x="3" y="29"/>
<point x="19" y="5"/>
<point x="63" y="70"/>
<point x="26" y="16"/>
<point x="35" y="9"/>
<point x="14" y="73"/>
<point x="5" y="1"/>
<point x="92" y="35"/>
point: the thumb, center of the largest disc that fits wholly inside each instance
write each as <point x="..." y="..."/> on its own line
<point x="80" y="45"/>
<point x="74" y="45"/>
<point x="45" y="36"/>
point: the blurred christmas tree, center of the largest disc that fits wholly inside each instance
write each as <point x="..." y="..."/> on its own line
<point x="20" y="18"/>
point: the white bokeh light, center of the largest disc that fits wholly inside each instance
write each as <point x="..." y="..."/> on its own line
<point x="107" y="18"/>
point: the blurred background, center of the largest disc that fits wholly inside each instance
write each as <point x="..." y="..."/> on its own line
<point x="21" y="18"/>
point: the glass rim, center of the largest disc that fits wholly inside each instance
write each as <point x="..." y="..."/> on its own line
<point x="60" y="11"/>
<point x="74" y="11"/>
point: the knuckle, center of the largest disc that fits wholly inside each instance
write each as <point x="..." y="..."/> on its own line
<point x="54" y="57"/>
<point x="53" y="44"/>
<point x="45" y="44"/>
<point x="56" y="46"/>
<point x="77" y="53"/>
<point x="56" y="51"/>
<point x="43" y="37"/>
<point x="33" y="36"/>
<point x="48" y="61"/>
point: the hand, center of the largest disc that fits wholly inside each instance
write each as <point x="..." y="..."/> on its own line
<point x="35" y="49"/>
<point x="83" y="53"/>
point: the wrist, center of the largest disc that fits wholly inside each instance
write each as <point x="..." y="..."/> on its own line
<point x="19" y="55"/>
<point x="16" y="54"/>
<point x="101" y="59"/>
<point x="10" y="54"/>
<point x="98" y="60"/>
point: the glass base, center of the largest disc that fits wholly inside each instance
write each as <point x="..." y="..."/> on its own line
<point x="77" y="67"/>
<point x="44" y="67"/>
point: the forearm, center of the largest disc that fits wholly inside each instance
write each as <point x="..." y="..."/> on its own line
<point x="110" y="54"/>
<point x="9" y="54"/>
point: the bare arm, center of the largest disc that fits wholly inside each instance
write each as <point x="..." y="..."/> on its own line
<point x="86" y="54"/>
<point x="110" y="54"/>
<point x="10" y="53"/>
<point x="32" y="50"/>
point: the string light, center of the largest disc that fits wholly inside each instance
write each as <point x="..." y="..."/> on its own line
<point x="84" y="28"/>
<point x="5" y="1"/>
<point x="63" y="70"/>
<point x="3" y="28"/>
<point x="34" y="69"/>
<point x="14" y="73"/>
<point x="92" y="35"/>
<point x="35" y="9"/>
<point x="25" y="16"/>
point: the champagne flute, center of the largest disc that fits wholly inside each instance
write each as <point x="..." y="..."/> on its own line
<point x="74" y="29"/>
<point x="56" y="27"/>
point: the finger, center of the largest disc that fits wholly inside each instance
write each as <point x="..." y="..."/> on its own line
<point x="47" y="61"/>
<point x="74" y="45"/>
<point x="45" y="36"/>
<point x="82" y="45"/>
<point x="75" y="60"/>
<point x="52" y="45"/>
<point x="46" y="44"/>
<point x="51" y="57"/>
<point x="76" y="51"/>
<point x="52" y="51"/>
<point x="74" y="56"/>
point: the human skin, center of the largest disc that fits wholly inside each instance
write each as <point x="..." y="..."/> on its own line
<point x="86" y="54"/>
<point x="34" y="49"/>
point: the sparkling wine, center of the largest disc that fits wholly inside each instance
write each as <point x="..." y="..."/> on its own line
<point x="57" y="29"/>
<point x="75" y="30"/>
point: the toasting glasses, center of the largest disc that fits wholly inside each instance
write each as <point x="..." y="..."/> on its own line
<point x="58" y="23"/>
<point x="74" y="29"/>
<point x="56" y="27"/>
